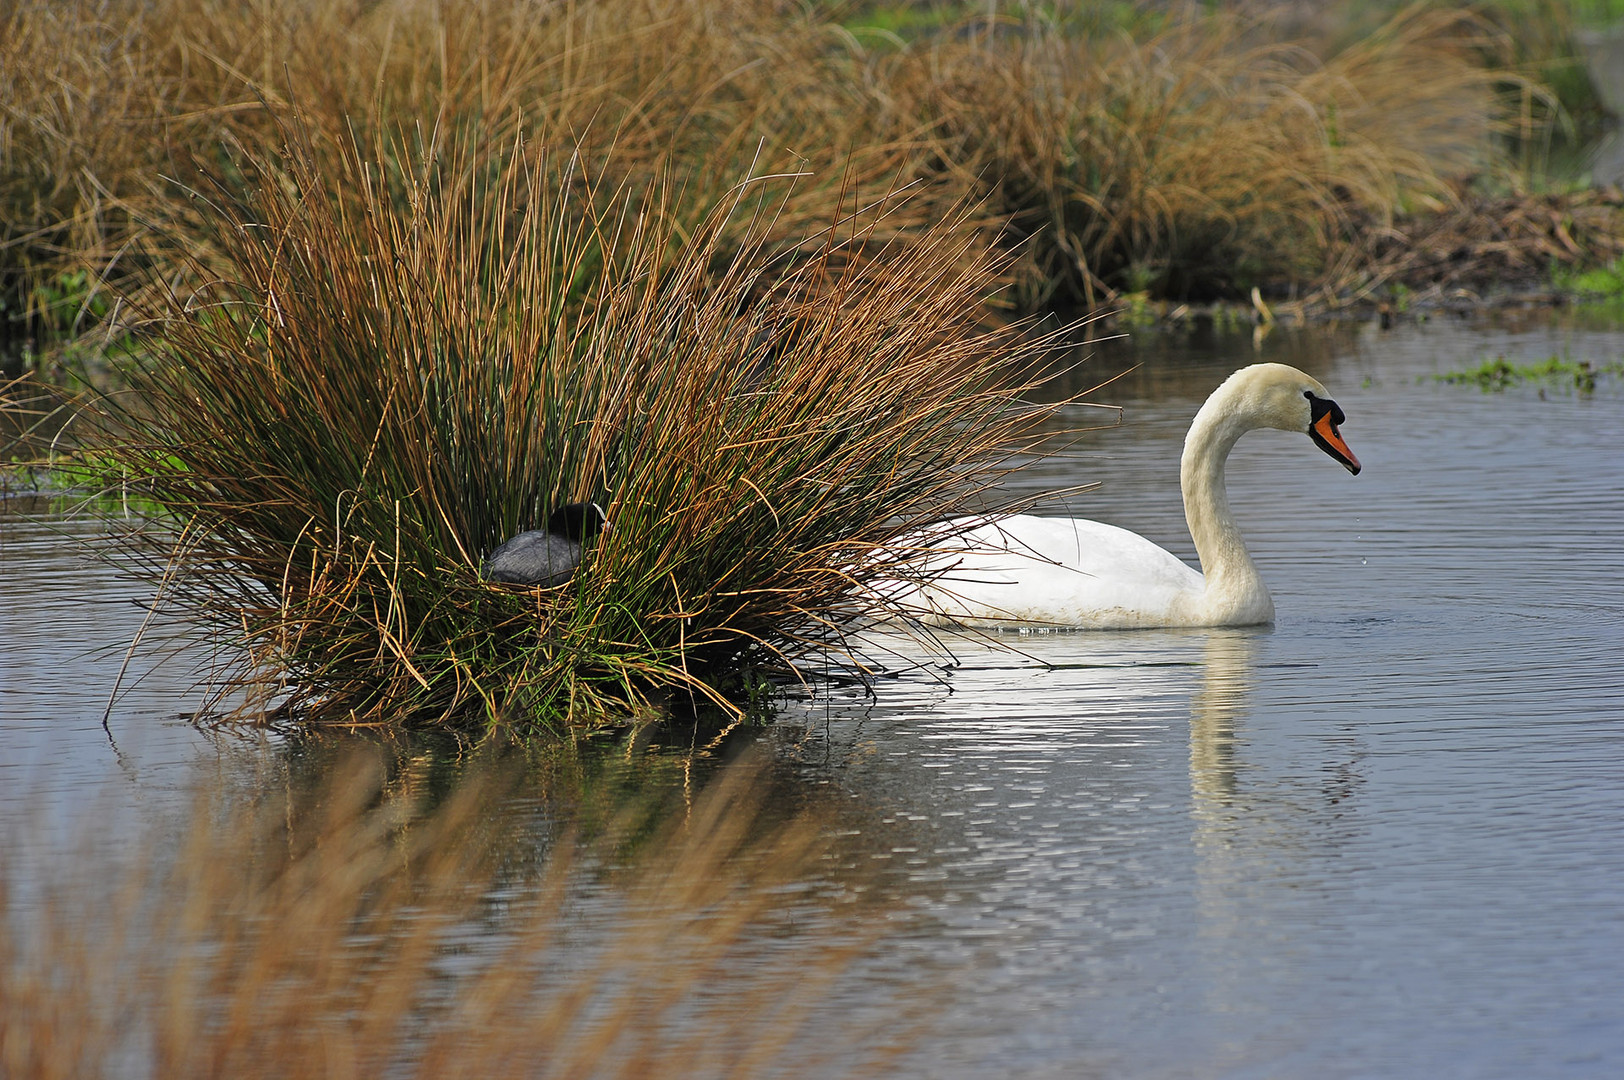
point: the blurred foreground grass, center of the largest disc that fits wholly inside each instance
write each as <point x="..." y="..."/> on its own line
<point x="359" y="927"/>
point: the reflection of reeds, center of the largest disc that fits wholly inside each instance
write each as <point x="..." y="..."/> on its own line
<point x="360" y="934"/>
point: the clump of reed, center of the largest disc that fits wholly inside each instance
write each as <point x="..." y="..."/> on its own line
<point x="358" y="930"/>
<point x="1212" y="155"/>
<point x="418" y="351"/>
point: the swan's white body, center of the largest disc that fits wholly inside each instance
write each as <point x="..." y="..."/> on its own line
<point x="1031" y="571"/>
<point x="1026" y="571"/>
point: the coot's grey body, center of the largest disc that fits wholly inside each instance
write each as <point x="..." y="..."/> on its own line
<point x="547" y="557"/>
<point x="534" y="558"/>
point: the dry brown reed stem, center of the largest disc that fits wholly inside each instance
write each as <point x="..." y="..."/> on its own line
<point x="354" y="931"/>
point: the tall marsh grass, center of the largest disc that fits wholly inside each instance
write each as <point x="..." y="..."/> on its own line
<point x="358" y="930"/>
<point x="1193" y="153"/>
<point x="400" y="370"/>
<point x="1210" y="156"/>
<point x="101" y="102"/>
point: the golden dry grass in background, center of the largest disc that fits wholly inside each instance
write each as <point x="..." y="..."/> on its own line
<point x="354" y="929"/>
<point x="1211" y="156"/>
<point x="1188" y="152"/>
<point x="104" y="105"/>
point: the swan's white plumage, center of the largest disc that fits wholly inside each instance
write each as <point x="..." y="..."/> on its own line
<point x="1030" y="571"/>
<point x="1025" y="571"/>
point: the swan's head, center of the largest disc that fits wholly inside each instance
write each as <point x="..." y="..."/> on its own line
<point x="1278" y="396"/>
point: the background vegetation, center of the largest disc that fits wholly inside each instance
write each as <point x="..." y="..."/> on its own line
<point x="1187" y="150"/>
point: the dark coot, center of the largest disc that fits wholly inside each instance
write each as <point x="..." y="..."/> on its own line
<point x="548" y="557"/>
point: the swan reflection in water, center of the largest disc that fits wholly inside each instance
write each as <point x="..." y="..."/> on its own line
<point x="1220" y="700"/>
<point x="1068" y="726"/>
<point x="1270" y="812"/>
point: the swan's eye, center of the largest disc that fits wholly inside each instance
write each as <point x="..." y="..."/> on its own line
<point x="1319" y="406"/>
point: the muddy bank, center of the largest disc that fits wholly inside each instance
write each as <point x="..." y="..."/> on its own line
<point x="1481" y="254"/>
<point x="1497" y="247"/>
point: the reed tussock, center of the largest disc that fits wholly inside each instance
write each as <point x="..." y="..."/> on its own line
<point x="355" y="930"/>
<point x="399" y="372"/>
<point x="1210" y="156"/>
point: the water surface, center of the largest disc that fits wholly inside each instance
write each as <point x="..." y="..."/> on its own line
<point x="1383" y="838"/>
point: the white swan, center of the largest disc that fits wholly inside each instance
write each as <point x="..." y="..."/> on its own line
<point x="1062" y="572"/>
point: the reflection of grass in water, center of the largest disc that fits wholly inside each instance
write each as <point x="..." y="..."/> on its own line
<point x="355" y="934"/>
<point x="1499" y="373"/>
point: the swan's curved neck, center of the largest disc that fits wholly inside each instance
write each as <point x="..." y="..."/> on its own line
<point x="1234" y="590"/>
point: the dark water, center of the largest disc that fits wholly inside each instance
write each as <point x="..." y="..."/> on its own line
<point x="1384" y="838"/>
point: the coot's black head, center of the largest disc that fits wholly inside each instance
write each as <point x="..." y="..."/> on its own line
<point x="578" y="521"/>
